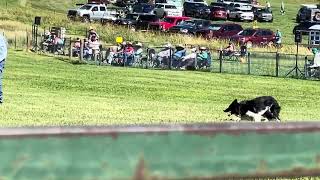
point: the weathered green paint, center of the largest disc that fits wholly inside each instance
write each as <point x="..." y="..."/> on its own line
<point x="173" y="154"/>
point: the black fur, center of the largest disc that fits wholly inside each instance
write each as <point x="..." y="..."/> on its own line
<point x="255" y="105"/>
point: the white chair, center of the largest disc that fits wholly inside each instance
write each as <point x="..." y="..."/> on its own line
<point x="314" y="68"/>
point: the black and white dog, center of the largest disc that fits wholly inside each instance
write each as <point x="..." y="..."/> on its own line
<point x="264" y="107"/>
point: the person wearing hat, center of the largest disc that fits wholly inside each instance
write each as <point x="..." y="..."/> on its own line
<point x="92" y="32"/>
<point x="138" y="52"/>
<point x="188" y="61"/>
<point x="178" y="55"/>
<point x="202" y="57"/>
<point x="164" y="55"/>
<point x="128" y="54"/>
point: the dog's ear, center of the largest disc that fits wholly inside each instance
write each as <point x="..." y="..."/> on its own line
<point x="235" y="101"/>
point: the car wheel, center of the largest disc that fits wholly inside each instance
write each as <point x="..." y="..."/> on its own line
<point x="249" y="44"/>
<point x="86" y="19"/>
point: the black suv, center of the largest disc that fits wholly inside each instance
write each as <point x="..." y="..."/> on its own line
<point x="190" y="26"/>
<point x="197" y="10"/>
<point x="143" y="8"/>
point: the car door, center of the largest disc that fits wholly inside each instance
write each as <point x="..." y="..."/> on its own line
<point x="95" y="12"/>
<point x="258" y="37"/>
<point x="102" y="11"/>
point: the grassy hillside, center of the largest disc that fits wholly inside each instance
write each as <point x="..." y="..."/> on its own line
<point x="45" y="91"/>
<point x="53" y="13"/>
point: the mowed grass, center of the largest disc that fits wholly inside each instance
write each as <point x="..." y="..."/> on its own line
<point x="46" y="91"/>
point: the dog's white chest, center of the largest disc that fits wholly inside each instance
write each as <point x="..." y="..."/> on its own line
<point x="258" y="116"/>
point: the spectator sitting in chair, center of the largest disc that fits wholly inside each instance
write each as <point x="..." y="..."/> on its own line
<point x="203" y="57"/>
<point x="128" y="54"/>
<point x="229" y="50"/>
<point x="92" y="32"/>
<point x="178" y="55"/>
<point x="188" y="61"/>
<point x="164" y="55"/>
<point x="138" y="52"/>
<point x="76" y="48"/>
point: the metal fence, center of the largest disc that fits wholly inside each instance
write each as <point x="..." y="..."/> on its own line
<point x="253" y="63"/>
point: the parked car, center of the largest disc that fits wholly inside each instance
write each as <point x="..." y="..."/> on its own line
<point x="88" y="12"/>
<point x="254" y="36"/>
<point x="190" y="26"/>
<point x="197" y="1"/>
<point x="263" y="14"/>
<point x="144" y="20"/>
<point x="129" y="20"/>
<point x="218" y="13"/>
<point x="168" y="22"/>
<point x="304" y="13"/>
<point x="221" y="31"/>
<point x="197" y="10"/>
<point x="303" y="27"/>
<point x="241" y="15"/>
<point x="143" y="8"/>
<point x="163" y="9"/>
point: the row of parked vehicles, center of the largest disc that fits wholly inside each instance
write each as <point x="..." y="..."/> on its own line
<point x="240" y="10"/>
<point x="178" y="23"/>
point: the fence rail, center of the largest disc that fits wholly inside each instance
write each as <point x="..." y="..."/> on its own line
<point x="194" y="151"/>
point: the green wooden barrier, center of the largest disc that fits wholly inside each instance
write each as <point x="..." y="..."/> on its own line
<point x="205" y="151"/>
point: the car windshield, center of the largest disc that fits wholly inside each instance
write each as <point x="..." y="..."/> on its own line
<point x="148" y="18"/>
<point x="132" y="16"/>
<point x="168" y="20"/>
<point x="264" y="11"/>
<point x="218" y="8"/>
<point x="245" y="10"/>
<point x="215" y="27"/>
<point x="86" y="7"/>
<point x="247" y="32"/>
<point x="187" y="23"/>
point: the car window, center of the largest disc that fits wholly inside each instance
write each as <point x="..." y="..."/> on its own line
<point x="215" y="27"/>
<point x="86" y="7"/>
<point x="95" y="8"/>
<point x="169" y="20"/>
<point x="159" y="6"/>
<point x="170" y="7"/>
<point x="259" y="33"/>
<point x="267" y="33"/>
<point x="102" y="8"/>
<point x="247" y="32"/>
<point x="148" y="18"/>
<point x="190" y="23"/>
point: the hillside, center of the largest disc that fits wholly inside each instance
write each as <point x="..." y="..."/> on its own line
<point x="17" y="16"/>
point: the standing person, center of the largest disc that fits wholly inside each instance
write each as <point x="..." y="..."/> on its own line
<point x="268" y="5"/>
<point x="282" y="10"/>
<point x="278" y="38"/>
<point x="3" y="56"/>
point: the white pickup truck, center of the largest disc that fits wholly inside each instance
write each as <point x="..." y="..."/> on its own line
<point x="89" y="12"/>
<point x="164" y="9"/>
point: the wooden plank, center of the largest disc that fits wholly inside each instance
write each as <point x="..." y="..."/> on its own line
<point x="202" y="151"/>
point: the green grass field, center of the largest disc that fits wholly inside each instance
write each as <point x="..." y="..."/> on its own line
<point x="46" y="91"/>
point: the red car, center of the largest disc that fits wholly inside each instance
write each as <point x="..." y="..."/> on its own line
<point x="222" y="31"/>
<point x="218" y="13"/>
<point x="255" y="36"/>
<point x="167" y="22"/>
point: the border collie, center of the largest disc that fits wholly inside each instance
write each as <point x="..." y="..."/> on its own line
<point x="264" y="107"/>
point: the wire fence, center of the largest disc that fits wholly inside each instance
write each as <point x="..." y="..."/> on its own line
<point x="251" y="63"/>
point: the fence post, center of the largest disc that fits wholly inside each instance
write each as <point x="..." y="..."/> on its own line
<point x="15" y="41"/>
<point x="277" y="64"/>
<point x="170" y="58"/>
<point x="81" y="49"/>
<point x="27" y="41"/>
<point x="249" y="63"/>
<point x="306" y="73"/>
<point x="220" y="61"/>
<point x="70" y="48"/>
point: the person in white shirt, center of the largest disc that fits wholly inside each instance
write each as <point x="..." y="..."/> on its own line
<point x="3" y="56"/>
